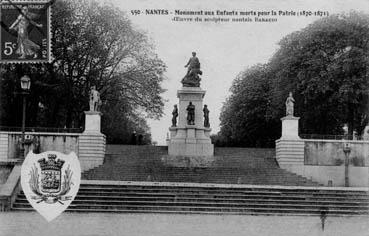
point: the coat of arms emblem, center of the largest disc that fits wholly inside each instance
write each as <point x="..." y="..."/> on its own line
<point x="50" y="181"/>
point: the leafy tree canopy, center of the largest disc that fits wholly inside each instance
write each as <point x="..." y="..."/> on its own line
<point x="325" y="65"/>
<point x="93" y="44"/>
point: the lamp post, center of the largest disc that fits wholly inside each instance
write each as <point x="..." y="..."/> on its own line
<point x="25" y="85"/>
<point x="346" y="150"/>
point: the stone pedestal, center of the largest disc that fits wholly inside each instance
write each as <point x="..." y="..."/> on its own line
<point x="190" y="145"/>
<point x="290" y="127"/>
<point x="290" y="148"/>
<point x="91" y="143"/>
<point x="93" y="122"/>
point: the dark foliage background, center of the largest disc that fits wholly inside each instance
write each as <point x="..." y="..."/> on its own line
<point x="93" y="44"/>
<point x="325" y="65"/>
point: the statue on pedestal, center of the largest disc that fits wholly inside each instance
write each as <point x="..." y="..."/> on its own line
<point x="95" y="101"/>
<point x="175" y="115"/>
<point x="192" y="78"/>
<point x="289" y="105"/>
<point x="206" y="116"/>
<point x="190" y="114"/>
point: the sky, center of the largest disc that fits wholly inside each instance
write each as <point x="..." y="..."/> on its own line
<point x="224" y="49"/>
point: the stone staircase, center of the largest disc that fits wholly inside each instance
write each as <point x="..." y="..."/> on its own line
<point x="232" y="166"/>
<point x="145" y="197"/>
<point x="134" y="179"/>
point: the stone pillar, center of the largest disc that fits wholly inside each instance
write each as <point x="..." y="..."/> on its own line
<point x="91" y="143"/>
<point x="190" y="145"/>
<point x="290" y="127"/>
<point x="187" y="95"/>
<point x="92" y="121"/>
<point x="290" y="147"/>
<point x="4" y="142"/>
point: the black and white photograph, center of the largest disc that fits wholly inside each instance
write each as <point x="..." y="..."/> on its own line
<point x="184" y="117"/>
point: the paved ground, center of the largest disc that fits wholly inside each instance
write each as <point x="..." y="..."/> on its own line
<point x="68" y="224"/>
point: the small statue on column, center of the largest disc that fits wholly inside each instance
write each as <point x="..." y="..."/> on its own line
<point x="206" y="116"/>
<point x="190" y="114"/>
<point x="289" y="105"/>
<point x="95" y="101"/>
<point x="175" y="115"/>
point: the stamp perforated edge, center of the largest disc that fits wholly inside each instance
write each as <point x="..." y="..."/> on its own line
<point x="49" y="16"/>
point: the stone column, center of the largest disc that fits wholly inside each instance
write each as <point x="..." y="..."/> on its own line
<point x="92" y="122"/>
<point x="4" y="142"/>
<point x="91" y="143"/>
<point x="290" y="127"/>
<point x="187" y="95"/>
<point x="290" y="147"/>
<point x="190" y="145"/>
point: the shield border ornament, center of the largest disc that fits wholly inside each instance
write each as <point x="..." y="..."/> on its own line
<point x="50" y="204"/>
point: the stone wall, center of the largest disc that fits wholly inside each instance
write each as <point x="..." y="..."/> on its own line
<point x="323" y="160"/>
<point x="330" y="153"/>
<point x="89" y="147"/>
<point x="60" y="142"/>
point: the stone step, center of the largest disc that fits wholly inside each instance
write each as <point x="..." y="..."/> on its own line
<point x="198" y="194"/>
<point x="161" y="197"/>
<point x="201" y="209"/>
<point x="210" y="189"/>
<point x="159" y="211"/>
<point x="179" y="200"/>
<point x="271" y="205"/>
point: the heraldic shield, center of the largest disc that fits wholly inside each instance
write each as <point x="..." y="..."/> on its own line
<point x="50" y="181"/>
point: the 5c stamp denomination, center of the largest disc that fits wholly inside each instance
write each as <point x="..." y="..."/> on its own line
<point x="25" y="31"/>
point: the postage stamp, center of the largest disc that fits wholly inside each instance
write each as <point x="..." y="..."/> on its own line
<point x="25" y="31"/>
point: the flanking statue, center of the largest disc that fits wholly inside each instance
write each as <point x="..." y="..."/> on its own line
<point x="192" y="78"/>
<point x="190" y="114"/>
<point x="95" y="101"/>
<point x="175" y="115"/>
<point x="290" y="105"/>
<point x="206" y="116"/>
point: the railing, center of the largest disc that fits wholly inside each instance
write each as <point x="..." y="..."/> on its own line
<point x="333" y="137"/>
<point x="42" y="129"/>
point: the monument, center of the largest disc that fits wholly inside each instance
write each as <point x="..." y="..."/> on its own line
<point x="189" y="144"/>
<point x="290" y="147"/>
<point x="92" y="141"/>
<point x="93" y="116"/>
<point x="290" y="123"/>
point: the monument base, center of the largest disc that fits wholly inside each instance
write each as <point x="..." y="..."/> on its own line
<point x="188" y="161"/>
<point x="92" y="121"/>
<point x="191" y="149"/>
<point x="290" y="127"/>
<point x="92" y="143"/>
<point x="190" y="145"/>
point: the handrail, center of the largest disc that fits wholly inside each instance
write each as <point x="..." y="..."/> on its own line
<point x="328" y="136"/>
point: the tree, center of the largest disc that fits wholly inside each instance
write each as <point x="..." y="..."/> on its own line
<point x="93" y="44"/>
<point x="244" y="118"/>
<point x="325" y="65"/>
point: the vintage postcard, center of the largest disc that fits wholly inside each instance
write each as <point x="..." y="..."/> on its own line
<point x="184" y="117"/>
